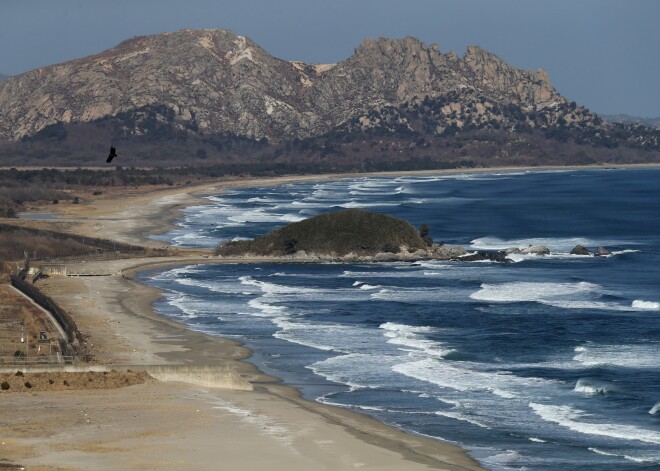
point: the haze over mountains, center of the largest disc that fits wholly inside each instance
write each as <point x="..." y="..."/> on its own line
<point x="211" y="96"/>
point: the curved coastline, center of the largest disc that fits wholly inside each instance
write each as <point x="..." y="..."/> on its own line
<point x="130" y="320"/>
<point x="131" y="332"/>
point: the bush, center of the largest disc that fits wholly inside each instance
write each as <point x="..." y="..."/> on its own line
<point x="50" y="381"/>
<point x="338" y="233"/>
<point x="66" y="383"/>
<point x="28" y="385"/>
<point x="4" y="385"/>
<point x="19" y="373"/>
<point x="391" y="248"/>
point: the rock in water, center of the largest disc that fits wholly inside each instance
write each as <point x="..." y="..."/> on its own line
<point x="536" y="250"/>
<point x="580" y="250"/>
<point x="602" y="251"/>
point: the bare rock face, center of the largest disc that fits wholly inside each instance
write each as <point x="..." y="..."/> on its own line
<point x="214" y="82"/>
<point x="535" y="250"/>
<point x="581" y="250"/>
<point x="602" y="252"/>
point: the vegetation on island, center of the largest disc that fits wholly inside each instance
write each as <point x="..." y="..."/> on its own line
<point x="339" y="233"/>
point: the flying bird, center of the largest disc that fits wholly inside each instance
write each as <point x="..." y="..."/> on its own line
<point x="112" y="155"/>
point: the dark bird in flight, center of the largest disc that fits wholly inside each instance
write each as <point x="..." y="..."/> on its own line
<point x="112" y="155"/>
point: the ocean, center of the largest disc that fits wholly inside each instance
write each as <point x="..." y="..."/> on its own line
<point x="548" y="363"/>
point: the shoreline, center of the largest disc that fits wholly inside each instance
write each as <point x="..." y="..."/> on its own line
<point x="335" y="436"/>
<point x="170" y="202"/>
<point x="124" y="328"/>
<point x="128" y="319"/>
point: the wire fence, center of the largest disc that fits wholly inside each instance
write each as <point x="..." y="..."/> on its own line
<point x="11" y="359"/>
<point x="60" y="315"/>
<point x="102" y="244"/>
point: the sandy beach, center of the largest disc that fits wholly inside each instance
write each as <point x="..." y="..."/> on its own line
<point x="177" y="425"/>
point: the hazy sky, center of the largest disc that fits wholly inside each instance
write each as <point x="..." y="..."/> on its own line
<point x="604" y="54"/>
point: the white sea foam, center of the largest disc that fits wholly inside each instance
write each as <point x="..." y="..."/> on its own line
<point x="580" y="295"/>
<point x="603" y="452"/>
<point x="655" y="409"/>
<point x="555" y="244"/>
<point x="291" y="217"/>
<point x="411" y="337"/>
<point x="536" y="440"/>
<point x="506" y="460"/>
<point x="462" y="418"/>
<point x="321" y="337"/>
<point x="264" y="309"/>
<point x="581" y="422"/>
<point x="381" y="274"/>
<point x="522" y="291"/>
<point x="621" y="252"/>
<point x="419" y="295"/>
<point x="627" y="355"/>
<point x="184" y="304"/>
<point x="356" y="370"/>
<point x="363" y="204"/>
<point x="646" y="305"/>
<point x="446" y="375"/>
<point x="275" y="289"/>
<point x="588" y="386"/>
<point x="177" y="273"/>
<point x="366" y="286"/>
<point x="217" y="286"/>
<point x="262" y="199"/>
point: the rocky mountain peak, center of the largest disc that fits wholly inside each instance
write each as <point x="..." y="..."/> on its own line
<point x="213" y="82"/>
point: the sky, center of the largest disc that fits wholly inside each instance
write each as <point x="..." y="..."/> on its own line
<point x="604" y="54"/>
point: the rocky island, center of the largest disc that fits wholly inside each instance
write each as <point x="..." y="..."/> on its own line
<point x="356" y="235"/>
<point x="350" y="235"/>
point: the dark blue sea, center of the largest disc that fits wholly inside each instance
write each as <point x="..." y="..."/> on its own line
<point x="548" y="363"/>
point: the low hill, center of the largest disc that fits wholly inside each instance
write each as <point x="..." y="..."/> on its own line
<point x="351" y="231"/>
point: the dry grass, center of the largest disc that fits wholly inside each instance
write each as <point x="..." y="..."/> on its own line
<point x="12" y="246"/>
<point x="58" y="381"/>
<point x="15" y="311"/>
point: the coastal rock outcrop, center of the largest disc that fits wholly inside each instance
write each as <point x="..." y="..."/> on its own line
<point x="486" y="255"/>
<point x="581" y="250"/>
<point x="602" y="252"/>
<point x="535" y="250"/>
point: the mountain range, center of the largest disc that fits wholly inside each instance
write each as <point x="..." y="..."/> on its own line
<point x="210" y="97"/>
<point x="627" y="119"/>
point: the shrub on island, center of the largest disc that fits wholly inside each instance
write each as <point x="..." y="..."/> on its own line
<point x="339" y="233"/>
